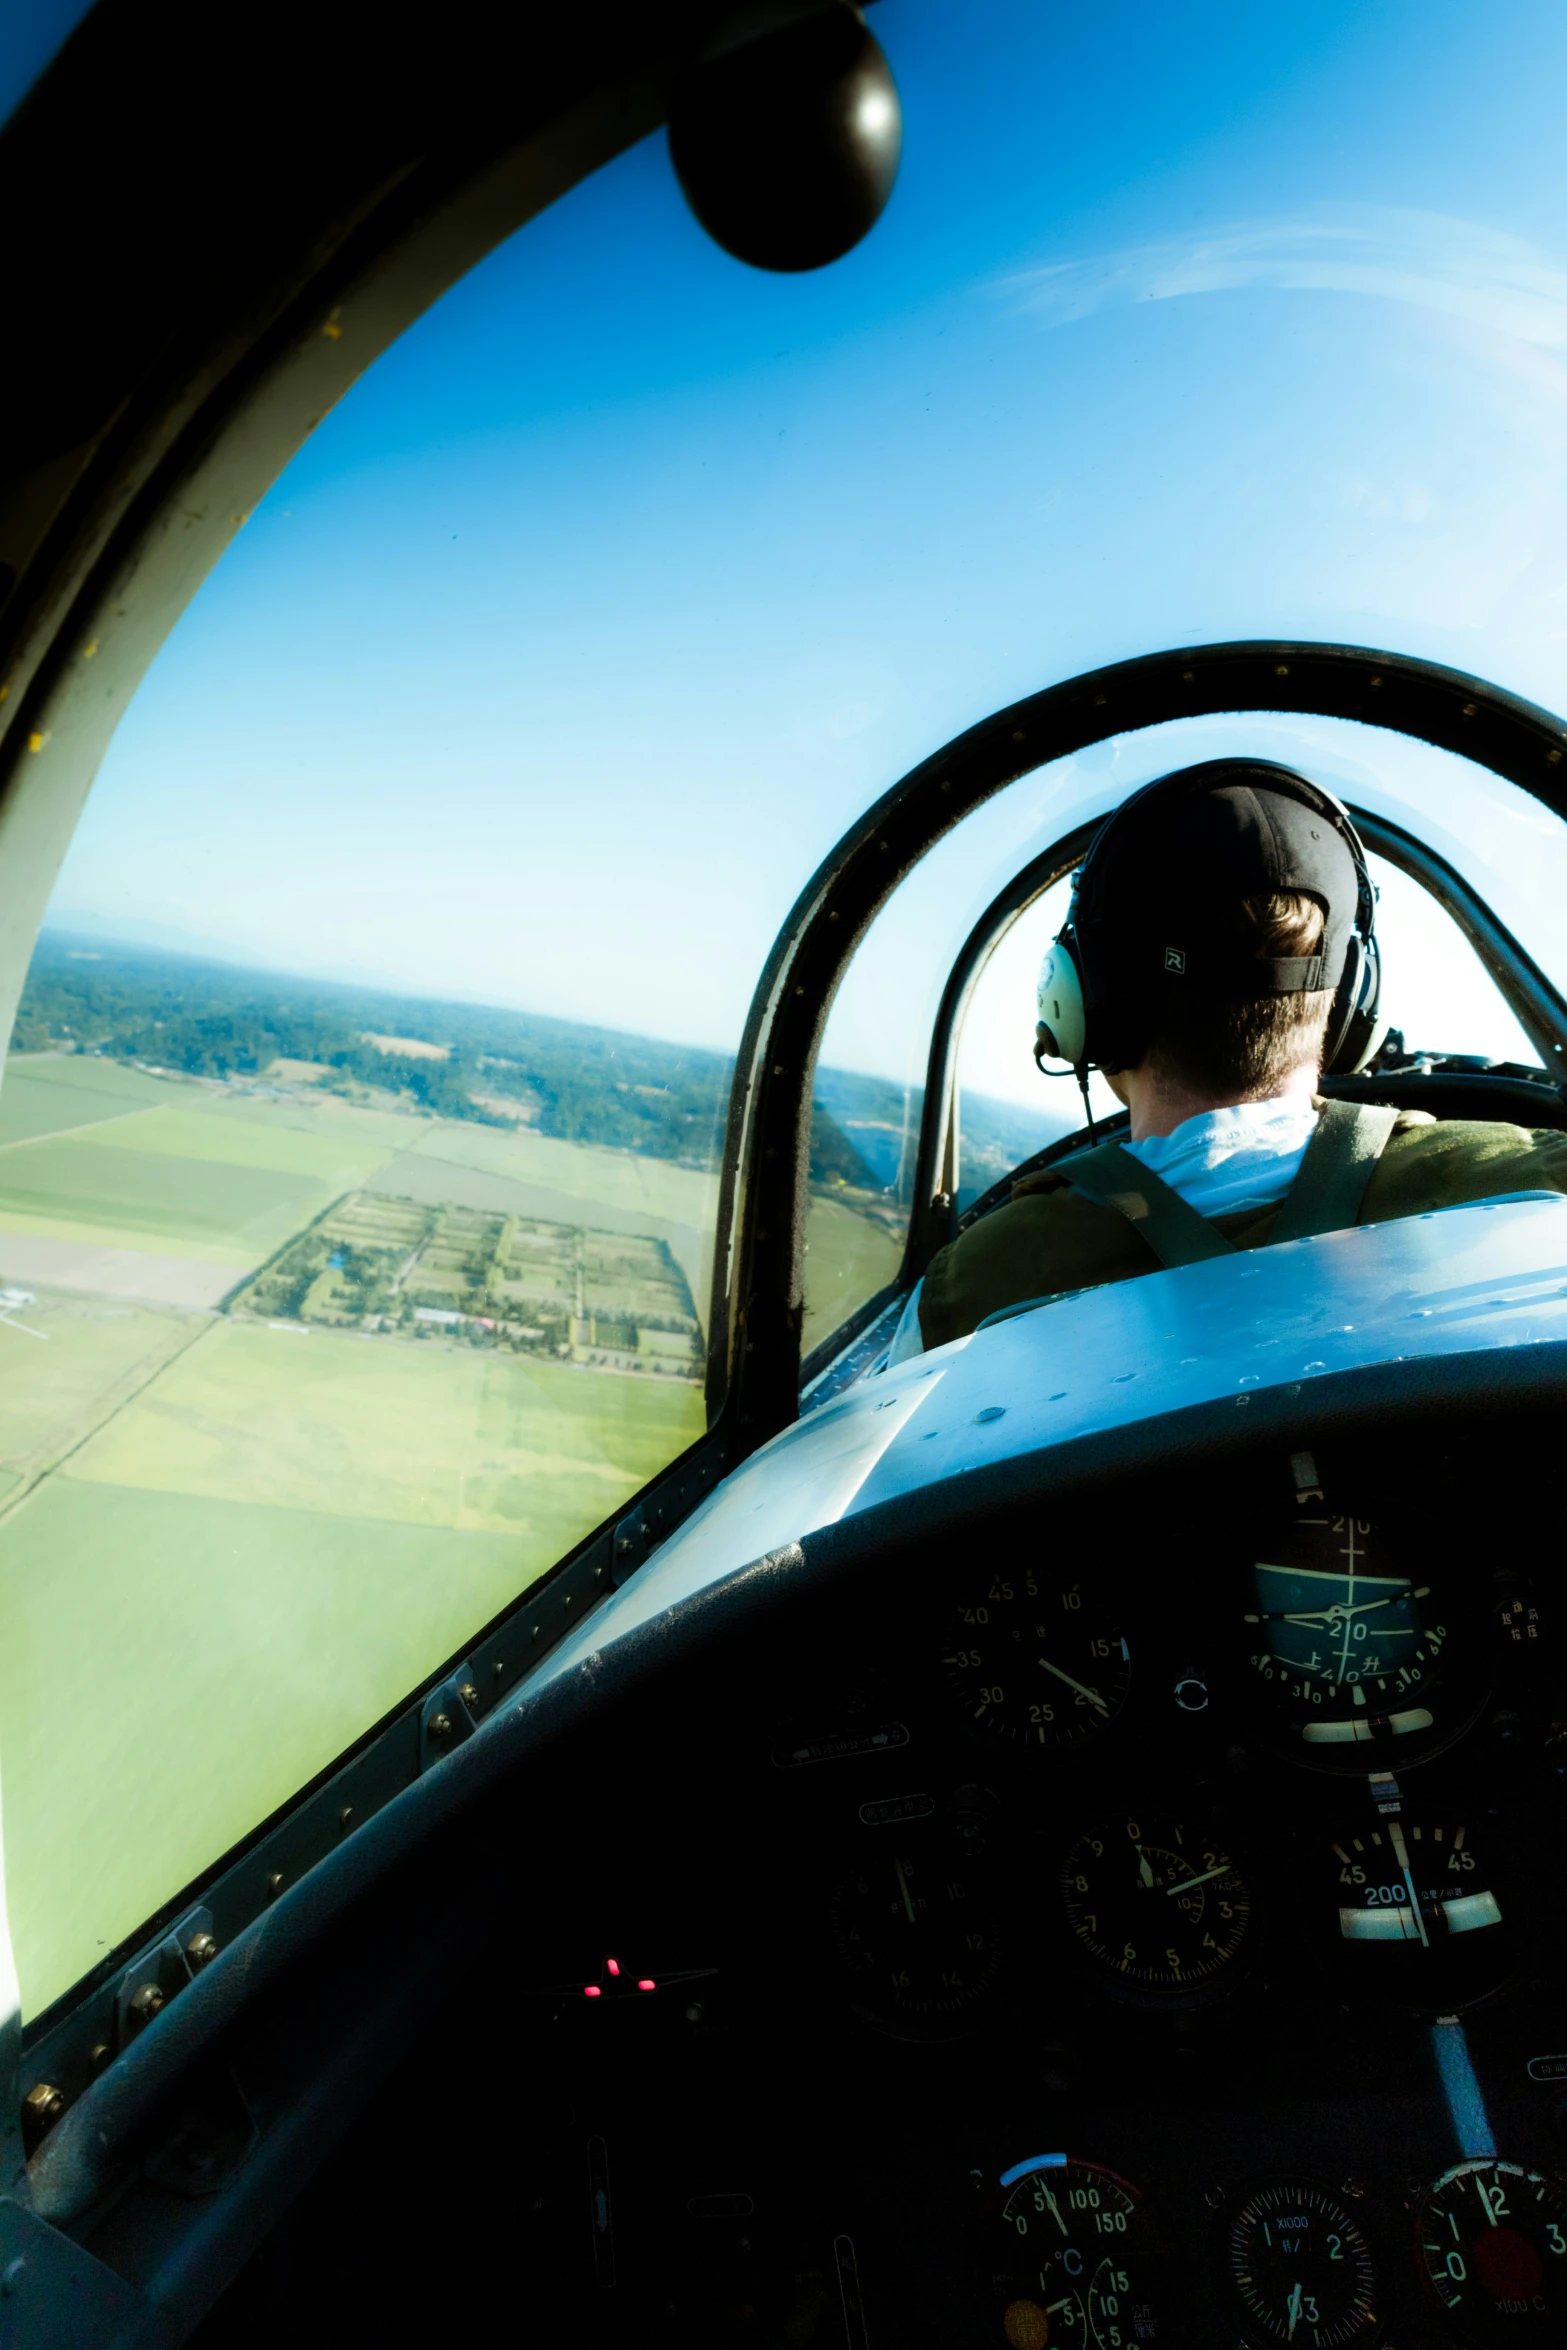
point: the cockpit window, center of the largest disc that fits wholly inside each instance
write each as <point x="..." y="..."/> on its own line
<point x="334" y="1313"/>
<point x="1437" y="995"/>
<point x="1509" y="849"/>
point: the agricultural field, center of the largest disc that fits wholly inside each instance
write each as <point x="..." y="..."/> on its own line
<point x="174" y="1667"/>
<point x="170" y="1168"/>
<point x="67" y="1364"/>
<point x="259" y="1553"/>
<point x="849" y="1255"/>
<point x="238" y="1481"/>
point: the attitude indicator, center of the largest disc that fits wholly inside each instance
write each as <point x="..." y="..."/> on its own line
<point x="1346" y="1638"/>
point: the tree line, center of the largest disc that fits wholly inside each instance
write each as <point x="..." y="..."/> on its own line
<point x="215" y="1020"/>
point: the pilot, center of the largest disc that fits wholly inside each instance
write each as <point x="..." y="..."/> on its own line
<point x="1219" y="955"/>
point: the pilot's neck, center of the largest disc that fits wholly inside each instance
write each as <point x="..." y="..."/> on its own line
<point x="1159" y="1100"/>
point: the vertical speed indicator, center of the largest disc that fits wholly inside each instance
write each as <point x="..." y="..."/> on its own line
<point x="1033" y="1657"/>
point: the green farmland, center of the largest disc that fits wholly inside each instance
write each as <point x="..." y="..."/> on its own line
<point x="848" y="1257"/>
<point x="231" y="1538"/>
<point x="175" y="1667"/>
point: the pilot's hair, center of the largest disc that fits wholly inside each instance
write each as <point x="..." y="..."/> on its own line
<point x="1248" y="1048"/>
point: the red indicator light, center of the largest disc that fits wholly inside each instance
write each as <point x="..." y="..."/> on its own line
<point x="591" y="1991"/>
<point x="647" y="1984"/>
<point x="613" y="1965"/>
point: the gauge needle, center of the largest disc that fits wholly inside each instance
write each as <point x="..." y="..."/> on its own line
<point x="1187" y="1884"/>
<point x="1081" y="1687"/>
<point x="1292" y="2306"/>
<point x="1485" y="2201"/>
<point x="1331" y="1615"/>
<point x="903" y="1888"/>
<point x="1055" y="2213"/>
<point x="1401" y="1855"/>
<point x="1144" y="1868"/>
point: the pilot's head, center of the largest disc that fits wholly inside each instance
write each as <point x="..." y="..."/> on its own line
<point x="1220" y="938"/>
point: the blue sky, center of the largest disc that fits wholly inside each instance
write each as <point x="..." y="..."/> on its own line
<point x="31" y="31"/>
<point x="590" y="618"/>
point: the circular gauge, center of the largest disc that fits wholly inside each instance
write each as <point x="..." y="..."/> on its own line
<point x="915" y="1934"/>
<point x="1300" y="2270"/>
<point x="1157" y="1902"/>
<point x="1346" y="1636"/>
<point x="1419" y="1911"/>
<point x="1033" y="1659"/>
<point x="1075" y="2260"/>
<point x="1493" y="2250"/>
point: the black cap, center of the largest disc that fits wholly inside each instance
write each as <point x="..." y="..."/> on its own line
<point x="1172" y="876"/>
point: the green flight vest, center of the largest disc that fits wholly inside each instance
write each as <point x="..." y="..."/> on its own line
<point x="1050" y="1237"/>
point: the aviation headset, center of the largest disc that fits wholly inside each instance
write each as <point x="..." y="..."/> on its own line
<point x="1136" y="923"/>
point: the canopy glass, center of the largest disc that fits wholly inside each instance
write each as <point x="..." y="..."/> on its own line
<point x="540" y="684"/>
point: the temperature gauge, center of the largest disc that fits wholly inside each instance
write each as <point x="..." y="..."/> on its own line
<point x="1075" y="2260"/>
<point x="1300" y="2270"/>
<point x="1034" y="1659"/>
<point x="1493" y="2249"/>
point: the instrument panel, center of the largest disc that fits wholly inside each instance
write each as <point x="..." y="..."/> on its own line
<point x="1133" y="1922"/>
<point x="1206" y="1868"/>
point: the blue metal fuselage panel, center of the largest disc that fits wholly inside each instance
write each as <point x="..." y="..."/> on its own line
<point x="1463" y="1281"/>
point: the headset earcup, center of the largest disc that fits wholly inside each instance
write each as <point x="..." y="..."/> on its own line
<point x="1062" y="1022"/>
<point x="1359" y="1017"/>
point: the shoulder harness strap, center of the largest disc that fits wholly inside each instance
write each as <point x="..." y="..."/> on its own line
<point x="1341" y="1157"/>
<point x="1326" y="1195"/>
<point x="1175" y="1232"/>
